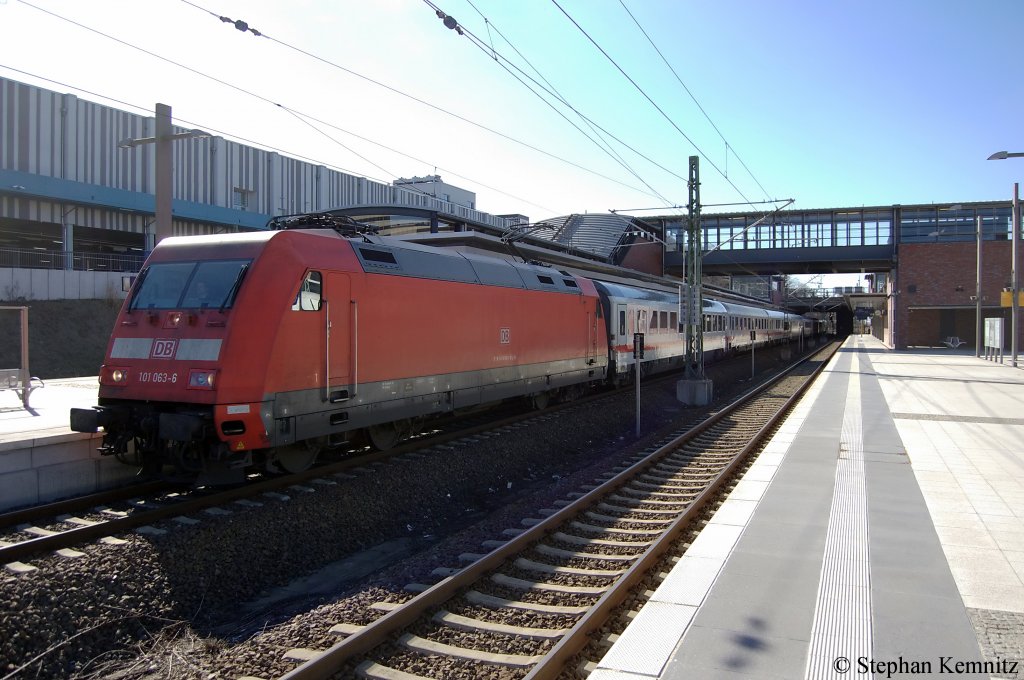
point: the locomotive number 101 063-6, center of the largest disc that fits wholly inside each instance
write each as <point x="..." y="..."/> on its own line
<point x="157" y="377"/>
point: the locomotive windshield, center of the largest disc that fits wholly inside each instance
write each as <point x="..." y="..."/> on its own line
<point x="189" y="285"/>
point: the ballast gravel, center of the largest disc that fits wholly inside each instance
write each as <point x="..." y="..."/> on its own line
<point x="174" y="605"/>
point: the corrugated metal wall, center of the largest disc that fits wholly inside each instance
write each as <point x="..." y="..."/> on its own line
<point x="61" y="136"/>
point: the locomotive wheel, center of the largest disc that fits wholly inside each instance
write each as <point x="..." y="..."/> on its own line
<point x="297" y="457"/>
<point x="384" y="436"/>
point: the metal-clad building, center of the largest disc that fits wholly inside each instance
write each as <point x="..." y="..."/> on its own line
<point x="70" y="194"/>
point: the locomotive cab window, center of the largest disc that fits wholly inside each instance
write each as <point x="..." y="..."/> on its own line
<point x="190" y="285"/>
<point x="308" y="298"/>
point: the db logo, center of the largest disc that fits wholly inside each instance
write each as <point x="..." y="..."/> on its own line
<point x="506" y="336"/>
<point x="164" y="349"/>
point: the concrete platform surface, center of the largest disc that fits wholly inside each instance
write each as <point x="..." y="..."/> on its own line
<point x="41" y="459"/>
<point x="50" y="406"/>
<point x="879" y="534"/>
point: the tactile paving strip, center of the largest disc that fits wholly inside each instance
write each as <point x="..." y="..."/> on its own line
<point x="842" y="615"/>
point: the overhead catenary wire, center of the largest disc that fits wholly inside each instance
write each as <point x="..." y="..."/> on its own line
<point x="488" y="47"/>
<point x="293" y="154"/>
<point x="294" y="112"/>
<point x="418" y="100"/>
<point x="462" y="30"/>
<point x="651" y="101"/>
<point x="728" y="146"/>
<point x="311" y="117"/>
<point x="551" y="89"/>
<point x="287" y="109"/>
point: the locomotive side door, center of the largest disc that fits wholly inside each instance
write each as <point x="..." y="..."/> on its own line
<point x="340" y="326"/>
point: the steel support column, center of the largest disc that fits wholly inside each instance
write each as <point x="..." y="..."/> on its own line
<point x="1014" y="275"/>
<point x="694" y="256"/>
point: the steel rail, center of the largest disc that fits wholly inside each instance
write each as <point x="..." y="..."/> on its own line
<point x="69" y="505"/>
<point x="142" y="516"/>
<point x="579" y="635"/>
<point x="362" y="641"/>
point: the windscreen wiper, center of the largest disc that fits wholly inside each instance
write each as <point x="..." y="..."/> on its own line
<point x="230" y="297"/>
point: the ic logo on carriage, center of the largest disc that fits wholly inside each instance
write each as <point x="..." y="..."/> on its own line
<point x="506" y="336"/>
<point x="164" y="349"/>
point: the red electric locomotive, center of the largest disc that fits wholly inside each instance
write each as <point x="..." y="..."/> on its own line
<point x="263" y="348"/>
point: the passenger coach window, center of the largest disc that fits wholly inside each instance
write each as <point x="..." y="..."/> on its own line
<point x="308" y="299"/>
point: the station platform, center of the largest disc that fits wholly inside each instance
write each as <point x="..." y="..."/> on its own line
<point x="41" y="459"/>
<point x="880" y="534"/>
<point x="50" y="405"/>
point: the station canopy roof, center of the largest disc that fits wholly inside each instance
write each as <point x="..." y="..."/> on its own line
<point x="597" y="234"/>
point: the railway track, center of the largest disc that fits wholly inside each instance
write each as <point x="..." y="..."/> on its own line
<point x="525" y="609"/>
<point x="65" y="524"/>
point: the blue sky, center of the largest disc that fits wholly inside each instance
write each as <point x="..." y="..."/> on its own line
<point x="832" y="103"/>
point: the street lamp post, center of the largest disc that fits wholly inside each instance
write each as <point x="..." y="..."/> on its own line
<point x="1014" y="241"/>
<point x="1014" y="274"/>
<point x="977" y="298"/>
<point x="164" y="174"/>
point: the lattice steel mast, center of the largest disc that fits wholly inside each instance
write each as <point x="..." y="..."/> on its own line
<point x="695" y="300"/>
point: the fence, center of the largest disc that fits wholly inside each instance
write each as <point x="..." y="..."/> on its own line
<point x="33" y="258"/>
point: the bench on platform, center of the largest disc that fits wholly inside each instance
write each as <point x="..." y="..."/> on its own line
<point x="10" y="379"/>
<point x="953" y="342"/>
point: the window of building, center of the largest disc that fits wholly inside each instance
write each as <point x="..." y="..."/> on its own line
<point x="240" y="198"/>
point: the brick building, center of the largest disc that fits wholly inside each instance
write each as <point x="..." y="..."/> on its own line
<point x="936" y="288"/>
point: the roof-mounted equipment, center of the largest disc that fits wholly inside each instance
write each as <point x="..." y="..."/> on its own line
<point x="343" y="224"/>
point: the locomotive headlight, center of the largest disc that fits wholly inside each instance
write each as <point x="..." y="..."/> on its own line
<point x="201" y="380"/>
<point x="113" y="376"/>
